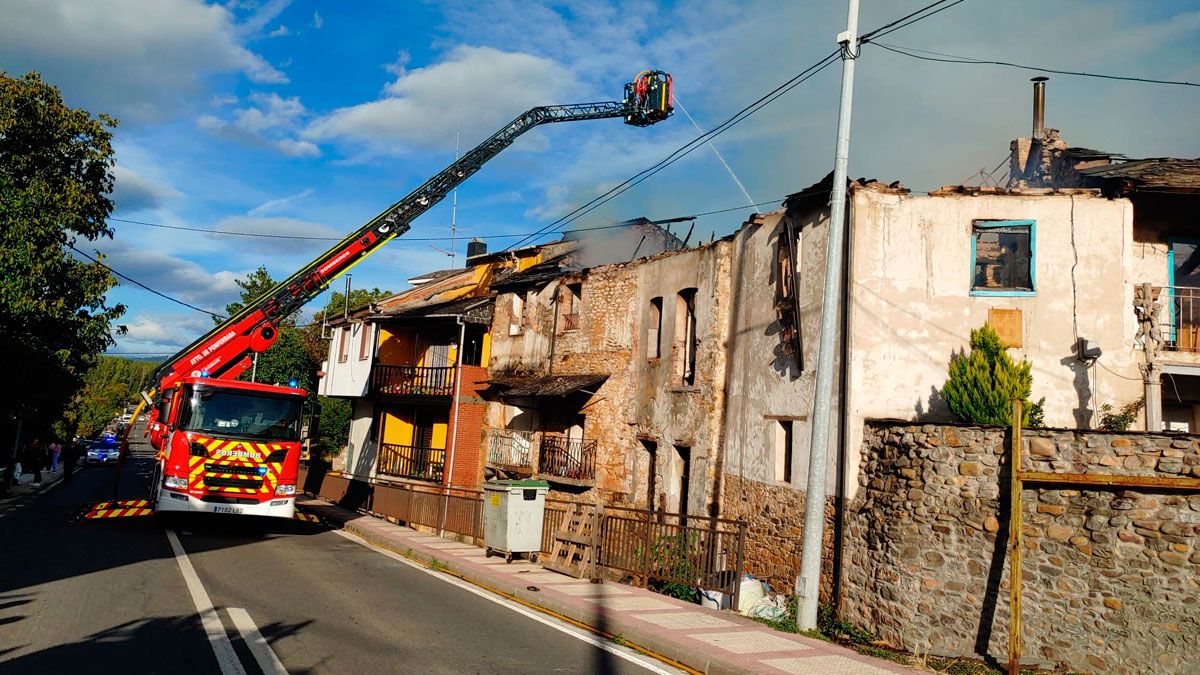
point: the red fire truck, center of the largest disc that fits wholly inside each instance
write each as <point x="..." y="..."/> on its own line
<point x="228" y="446"/>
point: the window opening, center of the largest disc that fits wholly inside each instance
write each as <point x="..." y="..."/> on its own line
<point x="654" y="329"/>
<point x="516" y="315"/>
<point x="344" y="345"/>
<point x="685" y="336"/>
<point x="1004" y="257"/>
<point x="569" y="308"/>
<point x="364" y="342"/>
<point x="783" y="450"/>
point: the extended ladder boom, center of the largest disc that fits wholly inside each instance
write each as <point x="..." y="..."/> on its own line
<point x="224" y="352"/>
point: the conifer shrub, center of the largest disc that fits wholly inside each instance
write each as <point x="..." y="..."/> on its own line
<point x="983" y="383"/>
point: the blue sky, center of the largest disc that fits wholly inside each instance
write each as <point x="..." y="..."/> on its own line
<point x="305" y="117"/>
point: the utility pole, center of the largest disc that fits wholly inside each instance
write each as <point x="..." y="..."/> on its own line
<point x="808" y="584"/>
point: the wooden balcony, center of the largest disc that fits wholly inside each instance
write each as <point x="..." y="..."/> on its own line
<point x="411" y="461"/>
<point x="570" y="458"/>
<point x="412" y="381"/>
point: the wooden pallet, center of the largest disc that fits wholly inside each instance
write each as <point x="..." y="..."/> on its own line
<point x="574" y="550"/>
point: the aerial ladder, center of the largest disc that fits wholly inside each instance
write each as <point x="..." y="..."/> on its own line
<point x="228" y="446"/>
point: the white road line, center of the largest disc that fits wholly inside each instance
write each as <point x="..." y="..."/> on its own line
<point x="629" y="655"/>
<point x="222" y="648"/>
<point x="262" y="651"/>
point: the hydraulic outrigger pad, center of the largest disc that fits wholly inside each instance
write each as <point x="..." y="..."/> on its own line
<point x="125" y="508"/>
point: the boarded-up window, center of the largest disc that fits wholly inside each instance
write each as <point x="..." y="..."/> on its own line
<point x="1007" y="324"/>
<point x="654" y="329"/>
<point x="1004" y="256"/>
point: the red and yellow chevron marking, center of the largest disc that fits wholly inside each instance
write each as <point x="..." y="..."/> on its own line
<point x="307" y="517"/>
<point x="224" y="453"/>
<point x="119" y="509"/>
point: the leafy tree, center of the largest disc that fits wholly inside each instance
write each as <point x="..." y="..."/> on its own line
<point x="334" y="429"/>
<point x="55" y="176"/>
<point x="983" y="383"/>
<point x="108" y="387"/>
<point x="256" y="284"/>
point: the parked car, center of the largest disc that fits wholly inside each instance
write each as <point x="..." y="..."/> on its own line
<point x="103" y="451"/>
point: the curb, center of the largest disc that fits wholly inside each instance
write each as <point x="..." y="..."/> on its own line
<point x="630" y="632"/>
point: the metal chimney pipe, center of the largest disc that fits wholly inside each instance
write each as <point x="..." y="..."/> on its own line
<point x="1039" y="106"/>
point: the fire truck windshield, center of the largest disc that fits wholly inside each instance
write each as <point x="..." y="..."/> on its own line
<point x="241" y="414"/>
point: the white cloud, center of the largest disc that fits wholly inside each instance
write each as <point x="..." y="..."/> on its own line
<point x="261" y="15"/>
<point x="164" y="333"/>
<point x="276" y="205"/>
<point x="280" y="31"/>
<point x="137" y="60"/>
<point x="418" y="109"/>
<point x="182" y="279"/>
<point x="269" y="123"/>
<point x="134" y="192"/>
<point x="317" y="21"/>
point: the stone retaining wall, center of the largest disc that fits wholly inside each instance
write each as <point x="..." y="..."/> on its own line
<point x="1111" y="577"/>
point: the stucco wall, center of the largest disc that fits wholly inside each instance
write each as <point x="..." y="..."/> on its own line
<point x="348" y="378"/>
<point x="911" y="306"/>
<point x="765" y="384"/>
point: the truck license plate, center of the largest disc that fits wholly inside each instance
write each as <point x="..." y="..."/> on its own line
<point x="226" y="509"/>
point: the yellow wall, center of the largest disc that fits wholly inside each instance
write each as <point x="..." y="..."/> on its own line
<point x="398" y="428"/>
<point x="486" y="352"/>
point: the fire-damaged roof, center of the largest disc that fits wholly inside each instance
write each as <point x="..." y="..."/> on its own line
<point x="1158" y="174"/>
<point x="553" y="385"/>
<point x="473" y="310"/>
<point x="535" y="275"/>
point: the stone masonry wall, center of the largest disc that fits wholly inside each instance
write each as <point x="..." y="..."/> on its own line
<point x="775" y="532"/>
<point x="1111" y="577"/>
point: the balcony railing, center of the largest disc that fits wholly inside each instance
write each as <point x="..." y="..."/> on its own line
<point x="411" y="461"/>
<point x="573" y="458"/>
<point x="508" y="447"/>
<point x="570" y="322"/>
<point x="412" y="381"/>
<point x="1178" y="310"/>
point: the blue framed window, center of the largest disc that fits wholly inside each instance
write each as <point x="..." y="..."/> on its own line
<point x="1003" y="257"/>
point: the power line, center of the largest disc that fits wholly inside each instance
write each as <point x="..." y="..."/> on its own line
<point x="897" y="25"/>
<point x="770" y="97"/>
<point x="684" y="149"/>
<point x="488" y="236"/>
<point x="952" y="58"/>
<point x="144" y="286"/>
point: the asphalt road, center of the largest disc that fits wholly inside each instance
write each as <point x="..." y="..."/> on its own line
<point x="111" y="596"/>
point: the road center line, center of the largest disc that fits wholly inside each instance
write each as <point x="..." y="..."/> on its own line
<point x="222" y="648"/>
<point x="632" y="657"/>
<point x="267" y="660"/>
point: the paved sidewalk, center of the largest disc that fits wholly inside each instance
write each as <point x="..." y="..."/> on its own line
<point x="25" y="490"/>
<point x="706" y="640"/>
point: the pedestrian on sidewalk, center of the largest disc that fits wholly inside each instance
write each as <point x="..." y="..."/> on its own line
<point x="55" y="451"/>
<point x="35" y="454"/>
